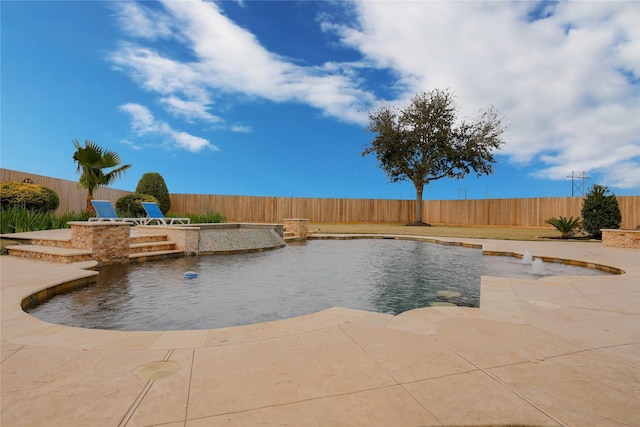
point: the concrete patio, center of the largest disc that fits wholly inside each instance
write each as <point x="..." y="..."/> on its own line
<point x="562" y="351"/>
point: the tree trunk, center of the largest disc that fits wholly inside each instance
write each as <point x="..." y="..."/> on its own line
<point x="418" y="221"/>
<point x="89" y="207"/>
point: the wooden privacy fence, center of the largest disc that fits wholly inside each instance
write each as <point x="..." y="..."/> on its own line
<point x="498" y="212"/>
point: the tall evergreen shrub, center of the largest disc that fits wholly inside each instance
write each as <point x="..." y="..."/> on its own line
<point x="600" y="211"/>
<point x="153" y="184"/>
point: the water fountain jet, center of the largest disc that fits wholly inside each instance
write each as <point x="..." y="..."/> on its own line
<point x="537" y="267"/>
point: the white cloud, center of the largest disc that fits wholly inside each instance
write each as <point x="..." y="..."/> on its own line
<point x="228" y="59"/>
<point x="190" y="110"/>
<point x="145" y="124"/>
<point x="188" y="141"/>
<point x="557" y="81"/>
<point x="241" y="128"/>
<point x="566" y="79"/>
<point x="142" y="121"/>
<point x="159" y="74"/>
<point x="131" y="144"/>
<point x="142" y="22"/>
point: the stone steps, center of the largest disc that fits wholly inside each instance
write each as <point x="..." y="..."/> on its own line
<point x="154" y="255"/>
<point x="52" y="243"/>
<point x="142" y="248"/>
<point x="50" y="253"/>
<point x="289" y="236"/>
<point x="161" y="246"/>
<point x="148" y="238"/>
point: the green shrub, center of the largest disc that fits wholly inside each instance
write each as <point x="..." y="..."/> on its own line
<point x="153" y="184"/>
<point x="28" y="196"/>
<point x="53" y="199"/>
<point x="130" y="206"/>
<point x="566" y="226"/>
<point x="600" y="211"/>
<point x="210" y="217"/>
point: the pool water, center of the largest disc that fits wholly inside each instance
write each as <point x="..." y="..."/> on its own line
<point x="386" y="276"/>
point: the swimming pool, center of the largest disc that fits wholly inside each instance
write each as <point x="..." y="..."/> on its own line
<point x="386" y="276"/>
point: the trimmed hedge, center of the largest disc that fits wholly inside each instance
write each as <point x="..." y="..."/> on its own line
<point x="28" y="196"/>
<point x="130" y="206"/>
<point x="153" y="184"/>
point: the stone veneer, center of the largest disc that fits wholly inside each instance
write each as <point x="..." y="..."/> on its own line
<point x="185" y="237"/>
<point x="299" y="227"/>
<point x="220" y="238"/>
<point x="621" y="238"/>
<point x="238" y="237"/>
<point x="109" y="242"/>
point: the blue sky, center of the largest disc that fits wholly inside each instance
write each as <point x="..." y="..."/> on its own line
<point x="271" y="98"/>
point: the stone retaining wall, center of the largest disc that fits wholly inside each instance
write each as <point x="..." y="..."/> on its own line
<point x="203" y="239"/>
<point x="234" y="238"/>
<point x="621" y="238"/>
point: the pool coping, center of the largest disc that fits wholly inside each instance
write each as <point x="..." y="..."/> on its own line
<point x="511" y="303"/>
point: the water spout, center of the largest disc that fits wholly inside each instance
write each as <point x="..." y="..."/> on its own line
<point x="537" y="267"/>
<point x="527" y="258"/>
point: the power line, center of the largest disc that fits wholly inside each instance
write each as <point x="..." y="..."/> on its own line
<point x="577" y="182"/>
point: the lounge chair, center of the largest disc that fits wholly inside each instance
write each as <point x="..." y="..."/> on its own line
<point x="105" y="212"/>
<point x="155" y="214"/>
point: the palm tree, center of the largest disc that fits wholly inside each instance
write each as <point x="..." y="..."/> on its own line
<point x="93" y="162"/>
<point x="566" y="226"/>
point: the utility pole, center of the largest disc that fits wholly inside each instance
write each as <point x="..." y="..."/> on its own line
<point x="465" y="192"/>
<point x="577" y="186"/>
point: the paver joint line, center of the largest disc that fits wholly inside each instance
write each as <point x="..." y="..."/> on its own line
<point x="142" y="394"/>
<point x="499" y="381"/>
<point x="186" y="409"/>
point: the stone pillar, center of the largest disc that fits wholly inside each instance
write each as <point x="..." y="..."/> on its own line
<point x="298" y="226"/>
<point x="109" y="242"/>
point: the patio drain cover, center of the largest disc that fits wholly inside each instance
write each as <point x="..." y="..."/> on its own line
<point x="155" y="370"/>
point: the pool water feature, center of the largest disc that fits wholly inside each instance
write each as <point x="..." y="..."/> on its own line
<point x="386" y="276"/>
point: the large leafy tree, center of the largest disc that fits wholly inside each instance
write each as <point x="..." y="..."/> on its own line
<point x="426" y="141"/>
<point x="96" y="167"/>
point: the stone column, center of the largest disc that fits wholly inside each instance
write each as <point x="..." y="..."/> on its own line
<point x="298" y="226"/>
<point x="109" y="242"/>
